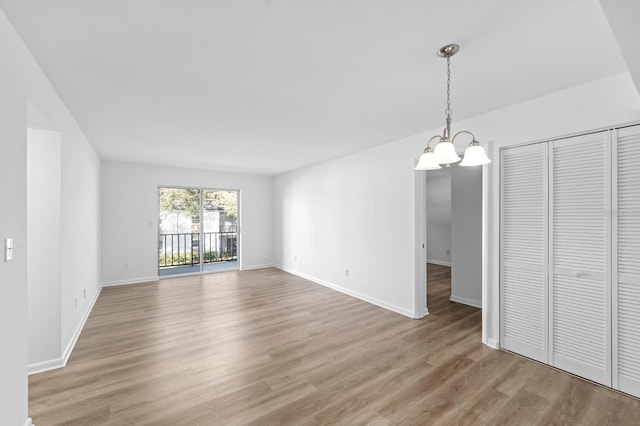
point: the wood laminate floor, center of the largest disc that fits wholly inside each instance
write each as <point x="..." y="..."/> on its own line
<point x="264" y="347"/>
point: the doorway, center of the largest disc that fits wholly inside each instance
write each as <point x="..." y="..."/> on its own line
<point x="197" y="230"/>
<point x="454" y="232"/>
<point x="438" y="206"/>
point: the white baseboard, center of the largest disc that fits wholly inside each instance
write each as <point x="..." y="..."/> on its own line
<point x="130" y="281"/>
<point x="40" y="367"/>
<point x="439" y="262"/>
<point x="28" y="422"/>
<point x="357" y="295"/>
<point x="465" y="301"/>
<point x="492" y="343"/>
<point x="251" y="268"/>
<point x="424" y="314"/>
<point x="56" y="363"/>
<point x="74" y="339"/>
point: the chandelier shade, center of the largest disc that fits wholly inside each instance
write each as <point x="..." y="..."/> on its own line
<point x="445" y="153"/>
<point x="445" y="150"/>
<point x="428" y="161"/>
<point x="475" y="155"/>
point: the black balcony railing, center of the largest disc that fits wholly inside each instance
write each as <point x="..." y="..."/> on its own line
<point x="186" y="249"/>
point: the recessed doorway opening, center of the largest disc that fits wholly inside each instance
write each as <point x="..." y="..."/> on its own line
<point x="449" y="225"/>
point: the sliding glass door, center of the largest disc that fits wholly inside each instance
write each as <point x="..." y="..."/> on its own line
<point x="198" y="230"/>
<point x="220" y="229"/>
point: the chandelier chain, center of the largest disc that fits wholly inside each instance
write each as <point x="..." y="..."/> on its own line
<point x="448" y="110"/>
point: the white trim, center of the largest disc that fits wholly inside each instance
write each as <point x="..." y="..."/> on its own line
<point x="53" y="364"/>
<point x="40" y="367"/>
<point x="28" y="422"/>
<point x="419" y="243"/>
<point x="548" y="248"/>
<point x="439" y="262"/>
<point x="465" y="301"/>
<point x="572" y="135"/>
<point x="613" y="277"/>
<point x="492" y="343"/>
<point x="369" y="299"/>
<point x="130" y="281"/>
<point x="74" y="339"/>
<point x="609" y="256"/>
<point x="251" y="268"/>
<point x="484" y="251"/>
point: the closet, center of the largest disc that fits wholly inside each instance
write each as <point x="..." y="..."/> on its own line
<point x="570" y="254"/>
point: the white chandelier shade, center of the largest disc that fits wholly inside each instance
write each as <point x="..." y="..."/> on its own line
<point x="427" y="161"/>
<point x="475" y="155"/>
<point x="445" y="153"/>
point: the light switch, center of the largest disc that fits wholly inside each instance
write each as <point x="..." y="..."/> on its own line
<point x="8" y="249"/>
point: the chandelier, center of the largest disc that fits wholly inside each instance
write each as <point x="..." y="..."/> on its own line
<point x="444" y="151"/>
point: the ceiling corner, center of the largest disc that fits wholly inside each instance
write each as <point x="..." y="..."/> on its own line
<point x="623" y="20"/>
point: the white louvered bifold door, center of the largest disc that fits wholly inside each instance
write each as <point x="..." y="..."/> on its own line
<point x="524" y="187"/>
<point x="626" y="295"/>
<point x="580" y="258"/>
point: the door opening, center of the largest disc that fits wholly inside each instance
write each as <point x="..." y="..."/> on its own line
<point x="454" y="233"/>
<point x="438" y="207"/>
<point x="198" y="230"/>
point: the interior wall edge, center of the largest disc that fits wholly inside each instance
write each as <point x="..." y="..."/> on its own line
<point x="76" y="334"/>
<point x="465" y="301"/>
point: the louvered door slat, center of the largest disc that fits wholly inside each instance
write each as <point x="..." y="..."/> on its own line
<point x="628" y="260"/>
<point x="579" y="287"/>
<point x="524" y="250"/>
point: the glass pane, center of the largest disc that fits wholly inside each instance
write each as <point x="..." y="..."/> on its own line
<point x="179" y="233"/>
<point x="220" y="229"/>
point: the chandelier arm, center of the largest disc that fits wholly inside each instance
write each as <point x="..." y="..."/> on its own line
<point x="465" y="132"/>
<point x="432" y="138"/>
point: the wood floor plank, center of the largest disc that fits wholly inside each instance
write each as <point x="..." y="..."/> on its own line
<point x="265" y="347"/>
<point x="439" y="405"/>
<point x="524" y="408"/>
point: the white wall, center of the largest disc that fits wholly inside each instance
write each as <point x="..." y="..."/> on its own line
<point x="13" y="223"/>
<point x="355" y="213"/>
<point x="130" y="216"/>
<point x="79" y="213"/>
<point x="623" y="19"/>
<point x="439" y="216"/>
<point x="80" y="235"/>
<point x="337" y="214"/>
<point x="466" y="235"/>
<point x="43" y="245"/>
<point x="22" y="82"/>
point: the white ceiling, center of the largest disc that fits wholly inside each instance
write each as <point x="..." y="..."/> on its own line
<point x="267" y="86"/>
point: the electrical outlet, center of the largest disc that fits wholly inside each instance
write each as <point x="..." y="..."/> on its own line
<point x="448" y="252"/>
<point x="125" y="266"/>
<point x="8" y="249"/>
